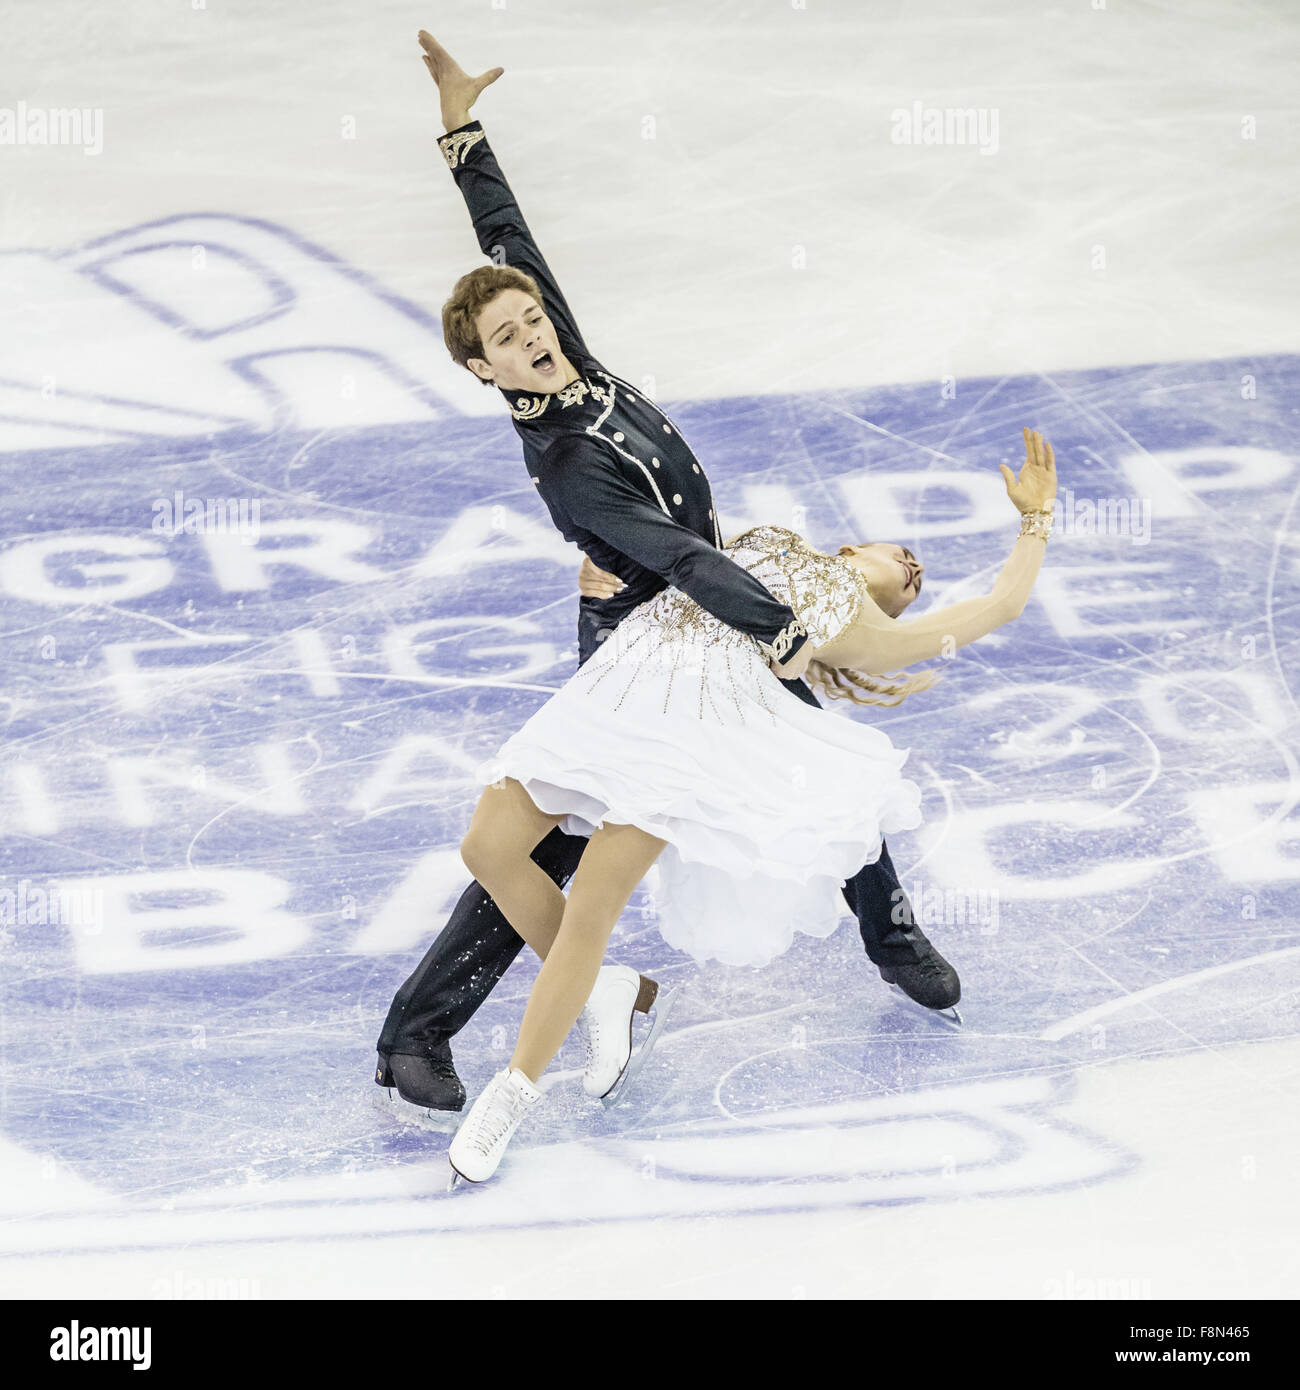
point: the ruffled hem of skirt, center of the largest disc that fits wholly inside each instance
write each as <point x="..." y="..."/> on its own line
<point x="798" y="846"/>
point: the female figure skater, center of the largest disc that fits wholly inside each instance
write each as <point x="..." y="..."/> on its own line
<point x="676" y="742"/>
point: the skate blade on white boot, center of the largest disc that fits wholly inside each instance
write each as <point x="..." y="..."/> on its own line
<point x="663" y="1006"/>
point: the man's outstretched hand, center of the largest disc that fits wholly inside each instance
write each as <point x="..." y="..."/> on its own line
<point x="457" y="90"/>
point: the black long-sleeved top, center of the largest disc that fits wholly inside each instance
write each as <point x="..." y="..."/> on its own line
<point x="616" y="475"/>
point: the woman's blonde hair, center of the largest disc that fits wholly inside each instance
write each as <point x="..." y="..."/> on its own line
<point x="842" y="684"/>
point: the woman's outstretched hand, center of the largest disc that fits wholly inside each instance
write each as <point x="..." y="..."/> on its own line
<point x="1035" y="488"/>
<point x="457" y="90"/>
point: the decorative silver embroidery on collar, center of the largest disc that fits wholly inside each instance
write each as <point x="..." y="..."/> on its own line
<point x="573" y="393"/>
<point x="529" y="408"/>
<point x="455" y="147"/>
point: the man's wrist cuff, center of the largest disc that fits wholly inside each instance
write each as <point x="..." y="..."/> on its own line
<point x="786" y="642"/>
<point x="456" y="144"/>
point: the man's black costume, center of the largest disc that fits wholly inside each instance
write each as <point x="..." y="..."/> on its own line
<point x="623" y="485"/>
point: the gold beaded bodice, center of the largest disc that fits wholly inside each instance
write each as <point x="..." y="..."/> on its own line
<point x="672" y="633"/>
<point x="825" y="591"/>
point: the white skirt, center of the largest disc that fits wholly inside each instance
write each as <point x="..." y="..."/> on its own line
<point x="766" y="803"/>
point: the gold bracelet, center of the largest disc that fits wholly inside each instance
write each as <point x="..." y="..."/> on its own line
<point x="1037" y="523"/>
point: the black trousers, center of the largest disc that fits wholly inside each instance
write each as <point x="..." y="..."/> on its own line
<point x="477" y="945"/>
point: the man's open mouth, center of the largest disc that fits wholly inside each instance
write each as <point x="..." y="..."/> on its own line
<point x="543" y="362"/>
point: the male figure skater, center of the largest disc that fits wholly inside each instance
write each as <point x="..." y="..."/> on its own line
<point x="620" y="482"/>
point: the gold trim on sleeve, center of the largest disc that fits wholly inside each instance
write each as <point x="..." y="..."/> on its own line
<point x="455" y="147"/>
<point x="779" y="647"/>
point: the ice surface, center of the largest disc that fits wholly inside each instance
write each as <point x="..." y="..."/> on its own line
<point x="251" y="768"/>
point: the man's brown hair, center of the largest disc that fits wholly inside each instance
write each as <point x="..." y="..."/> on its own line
<point x="469" y="296"/>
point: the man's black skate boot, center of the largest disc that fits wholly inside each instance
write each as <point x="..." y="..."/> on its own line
<point x="929" y="981"/>
<point x="430" y="1082"/>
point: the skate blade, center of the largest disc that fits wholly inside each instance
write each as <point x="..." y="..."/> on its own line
<point x="951" y="1016"/>
<point x="662" y="1008"/>
<point x="402" y="1112"/>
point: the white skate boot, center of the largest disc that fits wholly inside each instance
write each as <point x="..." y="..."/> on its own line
<point x="606" y="1025"/>
<point x="481" y="1140"/>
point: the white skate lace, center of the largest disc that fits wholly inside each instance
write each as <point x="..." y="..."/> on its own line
<point x="493" y="1122"/>
<point x="589" y="1031"/>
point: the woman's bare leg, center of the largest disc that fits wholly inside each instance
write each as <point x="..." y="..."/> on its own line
<point x="505" y="829"/>
<point x="612" y="865"/>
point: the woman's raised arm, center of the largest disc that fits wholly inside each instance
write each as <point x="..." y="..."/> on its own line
<point x="876" y="643"/>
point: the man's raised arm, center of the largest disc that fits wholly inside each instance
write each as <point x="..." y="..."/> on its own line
<point x="502" y="232"/>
